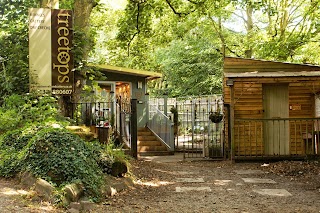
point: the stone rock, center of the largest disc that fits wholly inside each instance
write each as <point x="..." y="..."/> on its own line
<point x="110" y="191"/>
<point x="116" y="185"/>
<point x="45" y="189"/>
<point x="73" y="192"/>
<point x="120" y="186"/>
<point x="73" y="211"/>
<point x="75" y="205"/>
<point x="87" y="205"/>
<point x="28" y="179"/>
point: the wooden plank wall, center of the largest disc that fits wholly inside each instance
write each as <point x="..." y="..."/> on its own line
<point x="249" y="104"/>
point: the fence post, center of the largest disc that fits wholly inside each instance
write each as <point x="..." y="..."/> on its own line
<point x="112" y="102"/>
<point x="165" y="104"/>
<point x="134" y="129"/>
<point x="232" y="102"/>
<point x="147" y="107"/>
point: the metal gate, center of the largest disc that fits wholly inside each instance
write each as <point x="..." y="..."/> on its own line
<point x="114" y="120"/>
<point x="199" y="124"/>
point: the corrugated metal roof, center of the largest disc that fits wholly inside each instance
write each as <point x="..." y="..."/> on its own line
<point x="128" y="71"/>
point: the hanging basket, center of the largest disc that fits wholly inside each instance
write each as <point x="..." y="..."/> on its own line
<point x="215" y="117"/>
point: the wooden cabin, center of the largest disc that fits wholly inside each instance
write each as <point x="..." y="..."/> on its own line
<point x="272" y="109"/>
<point x="126" y="84"/>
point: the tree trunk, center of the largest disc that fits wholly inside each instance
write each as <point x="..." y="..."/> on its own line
<point x="82" y="11"/>
<point x="53" y="4"/>
<point x="248" y="51"/>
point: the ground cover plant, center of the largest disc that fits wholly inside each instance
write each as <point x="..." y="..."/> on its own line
<point x="35" y="140"/>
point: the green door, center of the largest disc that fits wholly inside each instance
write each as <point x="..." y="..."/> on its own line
<point x="276" y="131"/>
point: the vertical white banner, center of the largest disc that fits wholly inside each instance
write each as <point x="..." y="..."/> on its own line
<point x="40" y="49"/>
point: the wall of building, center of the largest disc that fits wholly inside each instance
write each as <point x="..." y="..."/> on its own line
<point x="248" y="104"/>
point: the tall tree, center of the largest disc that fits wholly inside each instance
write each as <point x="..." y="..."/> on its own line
<point x="14" y="42"/>
<point x="14" y="72"/>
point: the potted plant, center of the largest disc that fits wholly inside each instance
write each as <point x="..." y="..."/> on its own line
<point x="217" y="116"/>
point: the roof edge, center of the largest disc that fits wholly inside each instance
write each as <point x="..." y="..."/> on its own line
<point x="262" y="60"/>
<point x="273" y="74"/>
<point x="124" y="70"/>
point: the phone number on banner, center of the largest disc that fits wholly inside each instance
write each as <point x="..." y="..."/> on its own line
<point x="62" y="92"/>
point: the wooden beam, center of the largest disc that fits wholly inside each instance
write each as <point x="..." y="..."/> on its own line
<point x="232" y="102"/>
<point x="266" y="72"/>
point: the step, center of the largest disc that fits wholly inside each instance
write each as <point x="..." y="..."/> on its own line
<point x="151" y="148"/>
<point x="155" y="153"/>
<point x="145" y="133"/>
<point x="149" y="143"/>
<point x="147" y="138"/>
<point x="143" y="129"/>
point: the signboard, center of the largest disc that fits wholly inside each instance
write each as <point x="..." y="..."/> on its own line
<point x="295" y="107"/>
<point x="40" y="48"/>
<point x="50" y="44"/>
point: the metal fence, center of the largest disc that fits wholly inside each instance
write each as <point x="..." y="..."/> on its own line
<point x="92" y="113"/>
<point x="161" y="126"/>
<point x="102" y="116"/>
<point x="197" y="134"/>
<point x="286" y="137"/>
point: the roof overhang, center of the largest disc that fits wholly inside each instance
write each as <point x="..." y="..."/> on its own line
<point x="273" y="74"/>
<point x="127" y="71"/>
<point x="242" y="67"/>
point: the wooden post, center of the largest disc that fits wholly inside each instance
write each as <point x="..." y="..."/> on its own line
<point x="232" y="121"/>
<point x="165" y="104"/>
<point x="147" y="104"/>
<point x="134" y="129"/>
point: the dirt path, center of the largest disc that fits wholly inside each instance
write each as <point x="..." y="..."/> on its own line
<point x="207" y="186"/>
<point x="14" y="199"/>
<point x="167" y="184"/>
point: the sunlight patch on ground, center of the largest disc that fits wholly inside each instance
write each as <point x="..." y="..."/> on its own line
<point x="257" y="180"/>
<point x="154" y="183"/>
<point x="221" y="182"/>
<point x="273" y="192"/>
<point x="46" y="208"/>
<point x="10" y="191"/>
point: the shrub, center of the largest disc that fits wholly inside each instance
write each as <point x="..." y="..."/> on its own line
<point x="13" y="148"/>
<point x="17" y="139"/>
<point x="9" y="120"/>
<point x="62" y="157"/>
<point x="18" y="111"/>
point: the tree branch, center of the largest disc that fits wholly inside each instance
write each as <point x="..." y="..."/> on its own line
<point x="137" y="28"/>
<point x="180" y="14"/>
<point x="194" y="2"/>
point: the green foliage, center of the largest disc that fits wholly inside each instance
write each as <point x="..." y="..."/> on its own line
<point x="14" y="46"/>
<point x="9" y="119"/>
<point x="191" y="67"/>
<point x="54" y="154"/>
<point x="18" y="138"/>
<point x="107" y="155"/>
<point x="156" y="39"/>
<point x="13" y="149"/>
<point x="18" y="111"/>
<point x="62" y="157"/>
